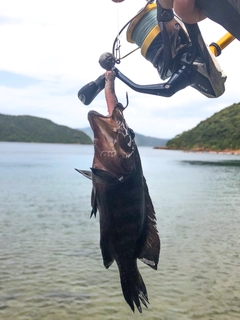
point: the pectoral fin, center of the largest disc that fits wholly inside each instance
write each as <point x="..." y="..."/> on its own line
<point x="85" y="173"/>
<point x="106" y="176"/>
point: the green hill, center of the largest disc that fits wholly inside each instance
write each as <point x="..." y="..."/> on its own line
<point x="33" y="129"/>
<point x="219" y="132"/>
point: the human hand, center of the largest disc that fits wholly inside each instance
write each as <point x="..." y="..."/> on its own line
<point x="185" y="9"/>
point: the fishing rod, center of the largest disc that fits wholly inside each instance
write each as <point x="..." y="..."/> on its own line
<point x="177" y="51"/>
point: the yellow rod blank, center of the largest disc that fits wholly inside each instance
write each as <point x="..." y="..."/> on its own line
<point x="222" y="43"/>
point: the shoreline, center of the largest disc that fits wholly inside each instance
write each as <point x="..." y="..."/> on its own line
<point x="199" y="150"/>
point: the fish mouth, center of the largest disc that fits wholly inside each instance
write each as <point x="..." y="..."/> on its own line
<point x="114" y="145"/>
<point x="106" y="125"/>
<point x="113" y="139"/>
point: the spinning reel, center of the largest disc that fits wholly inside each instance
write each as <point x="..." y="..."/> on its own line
<point x="176" y="49"/>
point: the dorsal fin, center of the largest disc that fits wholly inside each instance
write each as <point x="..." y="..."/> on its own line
<point x="150" y="251"/>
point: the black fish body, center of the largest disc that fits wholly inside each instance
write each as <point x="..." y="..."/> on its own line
<point x="120" y="194"/>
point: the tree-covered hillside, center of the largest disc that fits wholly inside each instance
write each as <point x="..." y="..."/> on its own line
<point x="33" y="129"/>
<point x="219" y="132"/>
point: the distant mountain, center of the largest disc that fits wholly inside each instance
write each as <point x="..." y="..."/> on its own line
<point x="88" y="131"/>
<point x="140" y="139"/>
<point x="33" y="129"/>
<point x="219" y="132"/>
<point x="147" y="141"/>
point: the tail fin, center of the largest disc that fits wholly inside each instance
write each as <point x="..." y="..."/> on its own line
<point x="133" y="287"/>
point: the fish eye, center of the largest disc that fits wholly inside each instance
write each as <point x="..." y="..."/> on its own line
<point x="132" y="133"/>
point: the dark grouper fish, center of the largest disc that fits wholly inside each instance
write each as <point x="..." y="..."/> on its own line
<point x="120" y="193"/>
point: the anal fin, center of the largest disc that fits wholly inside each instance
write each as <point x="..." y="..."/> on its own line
<point x="107" y="257"/>
<point x="94" y="203"/>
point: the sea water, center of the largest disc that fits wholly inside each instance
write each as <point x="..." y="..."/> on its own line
<point x="50" y="261"/>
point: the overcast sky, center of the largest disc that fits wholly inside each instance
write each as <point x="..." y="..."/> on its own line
<point x="50" y="49"/>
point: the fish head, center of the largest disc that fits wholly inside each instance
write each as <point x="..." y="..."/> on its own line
<point x="114" y="143"/>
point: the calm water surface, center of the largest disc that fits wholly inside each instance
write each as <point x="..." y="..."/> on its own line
<point x="50" y="262"/>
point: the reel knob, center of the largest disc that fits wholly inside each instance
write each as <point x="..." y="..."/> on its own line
<point x="107" y="61"/>
<point x="87" y="93"/>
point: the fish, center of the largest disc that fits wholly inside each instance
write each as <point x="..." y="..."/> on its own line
<point x="128" y="226"/>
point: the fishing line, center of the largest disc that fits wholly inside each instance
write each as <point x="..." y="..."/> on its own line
<point x="118" y="15"/>
<point x="145" y="32"/>
<point x="144" y="27"/>
<point x="116" y="43"/>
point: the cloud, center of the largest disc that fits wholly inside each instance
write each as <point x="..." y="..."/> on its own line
<point x="9" y="79"/>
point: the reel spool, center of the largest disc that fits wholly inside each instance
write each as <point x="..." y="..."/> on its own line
<point x="144" y="29"/>
<point x="145" y="32"/>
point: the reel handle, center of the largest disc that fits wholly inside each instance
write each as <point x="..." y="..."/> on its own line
<point x="179" y="80"/>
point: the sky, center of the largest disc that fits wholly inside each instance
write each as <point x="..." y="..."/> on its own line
<point x="51" y="48"/>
